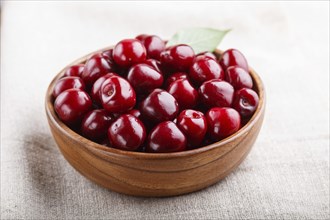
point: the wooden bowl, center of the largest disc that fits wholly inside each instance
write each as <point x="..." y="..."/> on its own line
<point x="152" y="174"/>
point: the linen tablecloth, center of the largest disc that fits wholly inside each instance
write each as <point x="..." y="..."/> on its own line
<point x="286" y="175"/>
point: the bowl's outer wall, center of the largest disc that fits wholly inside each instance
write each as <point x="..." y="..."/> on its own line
<point x="153" y="175"/>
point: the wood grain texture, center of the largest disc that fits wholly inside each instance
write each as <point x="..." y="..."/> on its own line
<point x="151" y="174"/>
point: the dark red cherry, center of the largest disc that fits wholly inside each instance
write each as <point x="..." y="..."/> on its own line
<point x="117" y="95"/>
<point x="95" y="124"/>
<point x="154" y="46"/>
<point x="129" y="52"/>
<point x="144" y="78"/>
<point x="205" y="69"/>
<point x="71" y="106"/>
<point x="246" y="102"/>
<point x="153" y="63"/>
<point x="233" y="57"/>
<point x="193" y="124"/>
<point x="95" y="67"/>
<point x="216" y="93"/>
<point x="174" y="77"/>
<point x="238" y="78"/>
<point x="69" y="82"/>
<point x="184" y="93"/>
<point x="75" y="70"/>
<point x="166" y="137"/>
<point x="159" y="106"/>
<point x="141" y="37"/>
<point x="222" y="122"/>
<point x="177" y="58"/>
<point x="108" y="55"/>
<point x="205" y="55"/>
<point x="135" y="112"/>
<point x="127" y="133"/>
<point x="95" y="92"/>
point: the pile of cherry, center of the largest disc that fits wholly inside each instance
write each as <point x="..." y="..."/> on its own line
<point x="144" y="96"/>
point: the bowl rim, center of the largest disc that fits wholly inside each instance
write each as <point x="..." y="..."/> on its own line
<point x="93" y="146"/>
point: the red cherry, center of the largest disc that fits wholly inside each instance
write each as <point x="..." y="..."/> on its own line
<point x="71" y="106"/>
<point x="193" y="124"/>
<point x="184" y="93"/>
<point x="95" y="124"/>
<point x="69" y="82"/>
<point x="129" y="52"/>
<point x="233" y="57"/>
<point x="159" y="106"/>
<point x="95" y="67"/>
<point x="117" y="95"/>
<point x="216" y="92"/>
<point x="141" y="37"/>
<point x="238" y="78"/>
<point x="174" y="77"/>
<point x="75" y="70"/>
<point x="205" y="69"/>
<point x="222" y="122"/>
<point x="108" y="55"/>
<point x="144" y="78"/>
<point x="206" y="55"/>
<point x="166" y="137"/>
<point x="127" y="133"/>
<point x="153" y="63"/>
<point x="246" y="102"/>
<point x="95" y="92"/>
<point x="154" y="46"/>
<point x="135" y="112"/>
<point x="178" y="58"/>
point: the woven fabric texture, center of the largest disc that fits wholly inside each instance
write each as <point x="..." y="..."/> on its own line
<point x="286" y="175"/>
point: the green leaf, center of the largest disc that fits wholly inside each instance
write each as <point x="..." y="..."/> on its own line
<point x="200" y="39"/>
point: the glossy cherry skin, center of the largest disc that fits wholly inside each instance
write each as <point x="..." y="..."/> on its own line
<point x="135" y="112"/>
<point x="177" y="58"/>
<point x="216" y="93"/>
<point x="174" y="77"/>
<point x="154" y="46"/>
<point x="69" y="82"/>
<point x="117" y="95"/>
<point x="108" y="54"/>
<point x="193" y="124"/>
<point x="222" y="122"/>
<point x="95" y="91"/>
<point x="205" y="69"/>
<point x="71" y="106"/>
<point x="184" y="93"/>
<point x="246" y="102"/>
<point x="238" y="78"/>
<point x="159" y="106"/>
<point x="75" y="70"/>
<point x="206" y="55"/>
<point x="129" y="52"/>
<point x="144" y="78"/>
<point x="233" y="57"/>
<point x="141" y="37"/>
<point x="95" y="67"/>
<point x="127" y="133"/>
<point x="95" y="124"/>
<point x="153" y="63"/>
<point x="166" y="137"/>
